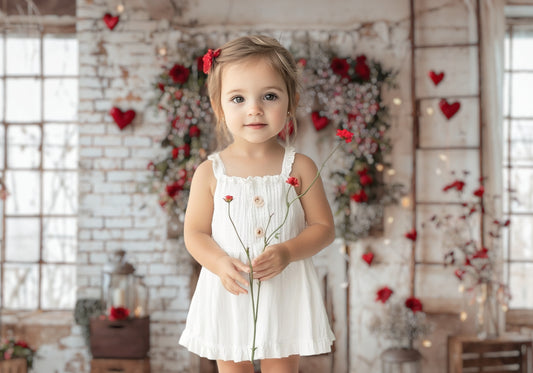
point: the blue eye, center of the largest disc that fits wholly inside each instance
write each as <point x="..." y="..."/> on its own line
<point x="237" y="99"/>
<point x="271" y="97"/>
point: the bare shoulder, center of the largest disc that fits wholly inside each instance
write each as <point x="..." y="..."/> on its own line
<point x="304" y="166"/>
<point x="204" y="176"/>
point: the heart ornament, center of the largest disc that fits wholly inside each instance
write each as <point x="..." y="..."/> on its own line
<point x="318" y="121"/>
<point x="122" y="119"/>
<point x="436" y="78"/>
<point x="110" y="21"/>
<point x="449" y="110"/>
<point x="368" y="258"/>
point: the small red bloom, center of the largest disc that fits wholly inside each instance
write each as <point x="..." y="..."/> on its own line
<point x="228" y="198"/>
<point x="479" y="191"/>
<point x="161" y="87"/>
<point x="208" y="59"/>
<point x="185" y="149"/>
<point x="340" y="66"/>
<point x="457" y="184"/>
<point x="364" y="177"/>
<point x="459" y="273"/>
<point x="368" y="258"/>
<point x="22" y="344"/>
<point x="345" y="135"/>
<point x="118" y="313"/>
<point x="413" y="304"/>
<point x="411" y="235"/>
<point x="179" y="74"/>
<point x="481" y="254"/>
<point x="361" y="68"/>
<point x="194" y="131"/>
<point x="293" y="181"/>
<point x="383" y="294"/>
<point x="176" y="187"/>
<point x="359" y="197"/>
<point x="302" y="62"/>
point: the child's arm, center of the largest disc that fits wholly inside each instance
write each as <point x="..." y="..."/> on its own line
<point x="197" y="233"/>
<point x="319" y="231"/>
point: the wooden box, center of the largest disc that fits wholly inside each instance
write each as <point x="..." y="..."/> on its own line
<point x="123" y="339"/>
<point x="13" y="366"/>
<point x="509" y="353"/>
<point x="120" y="365"/>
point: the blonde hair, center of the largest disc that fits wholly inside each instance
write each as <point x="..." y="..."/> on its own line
<point x="249" y="47"/>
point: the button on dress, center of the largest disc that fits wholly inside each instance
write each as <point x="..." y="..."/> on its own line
<point x="292" y="319"/>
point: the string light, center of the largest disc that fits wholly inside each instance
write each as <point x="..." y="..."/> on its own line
<point x="443" y="157"/>
<point x="505" y="308"/>
<point x="438" y="171"/>
<point x="120" y="8"/>
<point x="390" y="219"/>
<point x="386" y="241"/>
<point x="463" y="316"/>
<point x="430" y="111"/>
<point x="397" y="101"/>
<point x="406" y="202"/>
<point x="426" y="343"/>
<point x="391" y="172"/>
<point x="162" y="51"/>
<point x="461" y="288"/>
<point x="379" y="167"/>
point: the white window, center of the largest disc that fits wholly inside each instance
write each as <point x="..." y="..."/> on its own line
<point x="38" y="162"/>
<point x="518" y="160"/>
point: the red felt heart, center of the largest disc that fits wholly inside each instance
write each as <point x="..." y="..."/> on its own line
<point x="447" y="109"/>
<point x="110" y="21"/>
<point x="368" y="258"/>
<point x="122" y="119"/>
<point x="437" y="78"/>
<point x="318" y="121"/>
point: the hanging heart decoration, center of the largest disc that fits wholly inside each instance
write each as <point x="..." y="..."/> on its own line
<point x="318" y="121"/>
<point x="110" y="20"/>
<point x="122" y="119"/>
<point x="368" y="258"/>
<point x="437" y="78"/>
<point x="448" y="109"/>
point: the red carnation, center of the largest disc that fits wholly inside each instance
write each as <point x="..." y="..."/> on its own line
<point x="345" y="135"/>
<point x="359" y="197"/>
<point x="361" y="68"/>
<point x="383" y="294"/>
<point x="118" y="313"/>
<point x="179" y="74"/>
<point x="293" y="181"/>
<point x="413" y="304"/>
<point x="340" y="66"/>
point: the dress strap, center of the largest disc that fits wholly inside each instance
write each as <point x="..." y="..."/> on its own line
<point x="218" y="166"/>
<point x="288" y="160"/>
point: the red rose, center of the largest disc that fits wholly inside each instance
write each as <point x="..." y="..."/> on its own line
<point x="364" y="178"/>
<point x="194" y="131"/>
<point x="340" y="66"/>
<point x="293" y="181"/>
<point x="361" y="68"/>
<point x="22" y="344"/>
<point x="345" y="135"/>
<point x="359" y="197"/>
<point x="174" y="188"/>
<point x="179" y="74"/>
<point x="200" y="64"/>
<point x="185" y="149"/>
<point x="383" y="294"/>
<point x="208" y="59"/>
<point x="413" y="304"/>
<point x="118" y="313"/>
<point x="161" y="87"/>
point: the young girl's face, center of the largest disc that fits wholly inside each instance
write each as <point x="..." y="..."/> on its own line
<point x="254" y="101"/>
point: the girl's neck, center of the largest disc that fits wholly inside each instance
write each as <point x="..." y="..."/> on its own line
<point x="246" y="149"/>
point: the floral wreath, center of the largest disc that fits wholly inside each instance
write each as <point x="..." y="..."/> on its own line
<point x="344" y="92"/>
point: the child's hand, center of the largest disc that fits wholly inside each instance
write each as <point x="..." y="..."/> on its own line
<point x="229" y="270"/>
<point x="271" y="262"/>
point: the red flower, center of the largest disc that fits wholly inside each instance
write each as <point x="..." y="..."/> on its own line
<point x="118" y="313"/>
<point x="457" y="184"/>
<point x="228" y="198"/>
<point x="200" y="64"/>
<point x="302" y="62"/>
<point x="345" y="135"/>
<point x="368" y="258"/>
<point x="161" y="87"/>
<point x="293" y="181"/>
<point x="481" y="254"/>
<point x="359" y="197"/>
<point x="383" y="294"/>
<point x="22" y="344"/>
<point x="185" y="149"/>
<point x="364" y="178"/>
<point x="176" y="187"/>
<point x="208" y="59"/>
<point x="479" y="191"/>
<point x="194" y="131"/>
<point x="340" y="66"/>
<point x="459" y="273"/>
<point x="411" y="235"/>
<point x="413" y="304"/>
<point x="361" y="68"/>
<point x="179" y="74"/>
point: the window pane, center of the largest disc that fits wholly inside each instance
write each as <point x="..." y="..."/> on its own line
<point x="506" y="96"/>
<point x="2" y="145"/>
<point x="24" y="187"/>
<point x="60" y="192"/>
<point x="23" y="146"/>
<point x="23" y="100"/>
<point x="1" y="54"/>
<point x="58" y="286"/>
<point x="59" y="235"/>
<point x="522" y="184"/>
<point x="24" y="55"/>
<point x="1" y="100"/>
<point x="521" y="101"/>
<point x="60" y="146"/>
<point x="21" y="286"/>
<point x="522" y="48"/>
<point x="521" y="278"/>
<point x="60" y="55"/>
<point x="60" y="99"/>
<point x="22" y="239"/>
<point x="521" y="237"/>
<point x="522" y="142"/>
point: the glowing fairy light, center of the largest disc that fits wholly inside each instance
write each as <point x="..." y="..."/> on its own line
<point x="379" y="167"/>
<point x="443" y="157"/>
<point x="430" y="111"/>
<point x="397" y="101"/>
<point x="391" y="172"/>
<point x="426" y="343"/>
<point x="386" y="241"/>
<point x="162" y="51"/>
<point x="406" y="202"/>
<point x="120" y="8"/>
<point x="461" y="288"/>
<point x="390" y="219"/>
<point x="463" y="316"/>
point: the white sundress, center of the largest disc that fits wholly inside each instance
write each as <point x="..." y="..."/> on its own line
<point x="291" y="319"/>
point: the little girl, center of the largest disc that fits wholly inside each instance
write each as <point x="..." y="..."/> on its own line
<point x="252" y="85"/>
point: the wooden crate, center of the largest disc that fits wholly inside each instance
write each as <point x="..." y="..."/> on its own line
<point x="510" y="353"/>
<point x="120" y="365"/>
<point x="124" y="339"/>
<point x="13" y="366"/>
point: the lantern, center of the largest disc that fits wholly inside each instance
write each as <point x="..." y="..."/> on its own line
<point x="118" y="283"/>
